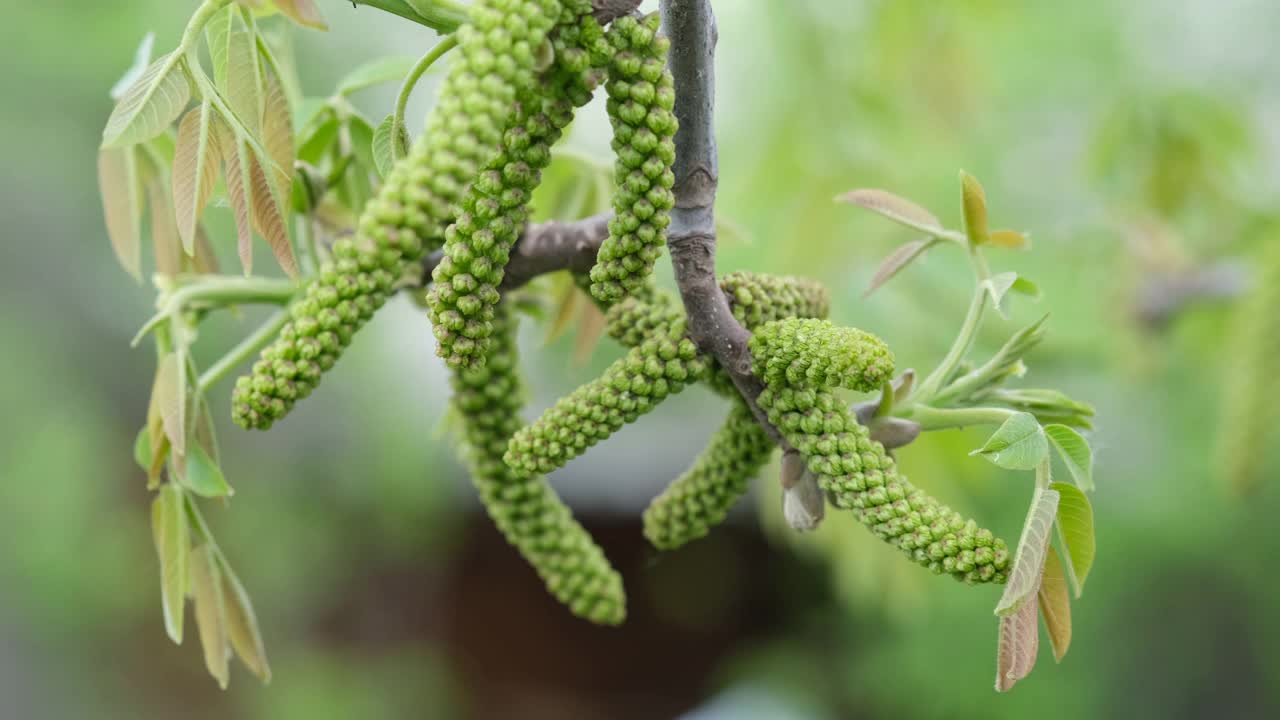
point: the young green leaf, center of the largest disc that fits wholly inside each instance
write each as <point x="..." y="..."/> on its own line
<point x="897" y="209"/>
<point x="245" y="85"/>
<point x="318" y="137"/>
<point x="898" y="260"/>
<point x="195" y="171"/>
<point x="150" y="105"/>
<point x="242" y="624"/>
<point x="384" y="155"/>
<point x="1017" y="648"/>
<point x="121" y="190"/>
<point x="998" y="286"/>
<point x="1055" y="605"/>
<point x="1075" y="453"/>
<point x="303" y="12"/>
<point x="142" y="448"/>
<point x="169" y="397"/>
<point x="1075" y="522"/>
<point x="1023" y="286"/>
<point x="974" y="201"/>
<point x="1024" y="578"/>
<point x="1018" y="444"/>
<point x="203" y="476"/>
<point x="170" y="532"/>
<point x="376" y="72"/>
<point x="211" y="620"/>
<point x="217" y="35"/>
<point x="141" y="61"/>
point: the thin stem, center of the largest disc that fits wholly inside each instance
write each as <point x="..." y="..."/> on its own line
<point x="443" y="16"/>
<point x="228" y="290"/>
<point x="932" y="418"/>
<point x="195" y="26"/>
<point x="243" y="351"/>
<point x="959" y="348"/>
<point x="304" y="245"/>
<point x="410" y="82"/>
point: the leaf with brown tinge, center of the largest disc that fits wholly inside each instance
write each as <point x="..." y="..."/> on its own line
<point x="898" y="260"/>
<point x="1055" y="605"/>
<point x="303" y="12"/>
<point x="591" y="326"/>
<point x="195" y="171"/>
<point x="205" y="261"/>
<point x="206" y="591"/>
<point x="1009" y="239"/>
<point x="269" y="218"/>
<point x="170" y="532"/>
<point x="164" y="230"/>
<point x="895" y="208"/>
<point x="122" y="205"/>
<point x="242" y="625"/>
<point x="239" y="181"/>
<point x="277" y="133"/>
<point x="1019" y="643"/>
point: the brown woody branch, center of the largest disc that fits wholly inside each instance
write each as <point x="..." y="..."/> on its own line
<point x="691" y="27"/>
<point x="547" y="247"/>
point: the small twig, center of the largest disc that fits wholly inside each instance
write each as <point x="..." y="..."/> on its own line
<point x="545" y="248"/>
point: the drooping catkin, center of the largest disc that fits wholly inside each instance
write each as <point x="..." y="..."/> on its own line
<point x="641" y="98"/>
<point x="700" y="499"/>
<point x="496" y="61"/>
<point x="1249" y="409"/>
<point x="478" y="244"/>
<point x="801" y="362"/>
<point x="489" y="399"/>
<point x="660" y="366"/>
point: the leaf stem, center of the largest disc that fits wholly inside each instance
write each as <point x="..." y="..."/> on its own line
<point x="195" y="26"/>
<point x="932" y="418"/>
<point x="964" y="340"/>
<point x="243" y="351"/>
<point x="227" y="290"/>
<point x="410" y="82"/>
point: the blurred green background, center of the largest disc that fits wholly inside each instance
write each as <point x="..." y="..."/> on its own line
<point x="1134" y="140"/>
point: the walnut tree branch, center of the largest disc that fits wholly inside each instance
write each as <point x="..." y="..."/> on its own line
<point x="547" y="247"/>
<point x="691" y="27"/>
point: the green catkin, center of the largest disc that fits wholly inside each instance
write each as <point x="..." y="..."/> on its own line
<point x="801" y="361"/>
<point x="1249" y="396"/>
<point x="496" y="61"/>
<point x="641" y="98"/>
<point x="661" y="366"/>
<point x="478" y="243"/>
<point x="489" y="399"/>
<point x="700" y="498"/>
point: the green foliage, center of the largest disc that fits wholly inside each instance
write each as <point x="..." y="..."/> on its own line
<point x="641" y="98"/>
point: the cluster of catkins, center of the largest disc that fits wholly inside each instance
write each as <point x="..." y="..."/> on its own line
<point x="523" y="68"/>
<point x="802" y="363"/>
